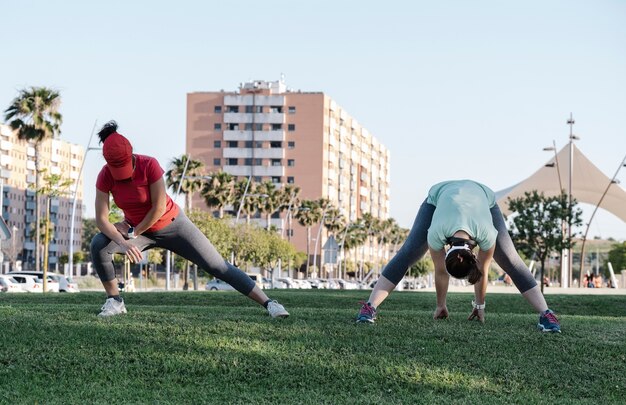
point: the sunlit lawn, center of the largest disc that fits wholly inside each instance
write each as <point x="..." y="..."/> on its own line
<point x="219" y="347"/>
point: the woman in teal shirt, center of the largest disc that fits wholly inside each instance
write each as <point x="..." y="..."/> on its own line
<point x="463" y="215"/>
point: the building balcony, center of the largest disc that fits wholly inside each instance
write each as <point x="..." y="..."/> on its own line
<point x="249" y="99"/>
<point x="259" y="153"/>
<point x="6" y="145"/>
<point x="258" y="118"/>
<point x="258" y="135"/>
<point x="266" y="171"/>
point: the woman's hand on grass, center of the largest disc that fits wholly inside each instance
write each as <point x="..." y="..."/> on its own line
<point x="478" y="314"/>
<point x="441" y="313"/>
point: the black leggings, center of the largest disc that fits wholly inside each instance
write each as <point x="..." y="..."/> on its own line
<point x="181" y="237"/>
<point x="416" y="245"/>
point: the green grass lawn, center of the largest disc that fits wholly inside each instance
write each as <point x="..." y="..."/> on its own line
<point x="219" y="347"/>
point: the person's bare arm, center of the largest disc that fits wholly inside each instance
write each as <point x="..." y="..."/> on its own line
<point x="158" y="197"/>
<point x="442" y="280"/>
<point x="484" y="258"/>
<point x="112" y="231"/>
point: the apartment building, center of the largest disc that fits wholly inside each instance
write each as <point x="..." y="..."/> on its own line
<point x="270" y="132"/>
<point x="17" y="185"/>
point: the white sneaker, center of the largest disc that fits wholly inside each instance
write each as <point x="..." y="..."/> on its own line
<point x="276" y="310"/>
<point x="112" y="307"/>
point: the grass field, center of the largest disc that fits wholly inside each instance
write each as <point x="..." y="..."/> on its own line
<point x="201" y="347"/>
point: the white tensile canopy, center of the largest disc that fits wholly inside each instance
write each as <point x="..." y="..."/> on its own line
<point x="588" y="184"/>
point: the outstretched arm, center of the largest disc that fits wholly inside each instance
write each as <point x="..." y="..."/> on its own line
<point x="442" y="278"/>
<point x="484" y="258"/>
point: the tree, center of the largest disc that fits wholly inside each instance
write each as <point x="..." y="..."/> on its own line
<point x="537" y="224"/>
<point x="219" y="191"/>
<point x="191" y="183"/>
<point x="34" y="116"/>
<point x="307" y="214"/>
<point x="617" y="256"/>
<point x="54" y="186"/>
<point x="271" y="201"/>
<point x="89" y="229"/>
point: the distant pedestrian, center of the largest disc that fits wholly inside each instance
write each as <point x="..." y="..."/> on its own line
<point x="151" y="219"/>
<point x="462" y="215"/>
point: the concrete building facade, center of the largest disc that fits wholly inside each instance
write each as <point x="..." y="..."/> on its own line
<point x="270" y="132"/>
<point x="17" y="185"/>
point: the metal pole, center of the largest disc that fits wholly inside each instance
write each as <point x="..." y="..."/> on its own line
<point x="570" y="260"/>
<point x="75" y="197"/>
<point x="606" y="190"/>
<point x="317" y="241"/>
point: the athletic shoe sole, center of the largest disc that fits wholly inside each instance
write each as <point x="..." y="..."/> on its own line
<point x="546" y="330"/>
<point x="365" y="320"/>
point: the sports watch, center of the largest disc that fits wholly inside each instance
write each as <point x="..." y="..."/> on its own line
<point x="478" y="306"/>
<point x="131" y="233"/>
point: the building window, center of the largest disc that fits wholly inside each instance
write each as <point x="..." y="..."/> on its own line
<point x="254" y="108"/>
<point x="217" y="144"/>
<point x="248" y="144"/>
<point x="277" y="162"/>
<point x="277" y="127"/>
<point x="218" y="109"/>
<point x="231" y="162"/>
<point x="253" y="127"/>
<point x="258" y="179"/>
<point x="258" y="162"/>
<point x="217" y="126"/>
<point x="247" y="162"/>
<point x="291" y="144"/>
<point x="292" y="109"/>
<point x="275" y="179"/>
<point x="232" y="109"/>
<point x="290" y="180"/>
<point x="276" y="144"/>
<point x="276" y="109"/>
<point x="233" y="127"/>
<point x="217" y="162"/>
<point x="291" y="127"/>
<point x="232" y="144"/>
<point x="291" y="162"/>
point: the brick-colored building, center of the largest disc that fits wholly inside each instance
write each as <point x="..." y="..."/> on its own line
<point x="270" y="132"/>
<point x="17" y="184"/>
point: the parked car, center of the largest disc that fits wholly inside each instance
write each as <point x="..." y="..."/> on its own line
<point x="287" y="282"/>
<point x="29" y="283"/>
<point x="218" y="285"/>
<point x="65" y="284"/>
<point x="10" y="285"/>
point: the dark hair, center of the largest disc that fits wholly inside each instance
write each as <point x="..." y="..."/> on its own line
<point x="462" y="263"/>
<point x="106" y="130"/>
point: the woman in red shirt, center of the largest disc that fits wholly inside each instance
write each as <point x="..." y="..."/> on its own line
<point x="151" y="219"/>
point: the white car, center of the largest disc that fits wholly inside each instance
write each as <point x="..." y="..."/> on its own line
<point x="9" y="284"/>
<point x="28" y="283"/>
<point x="65" y="284"/>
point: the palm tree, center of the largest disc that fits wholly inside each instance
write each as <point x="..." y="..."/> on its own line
<point x="308" y="214"/>
<point x="191" y="183"/>
<point x="34" y="115"/>
<point x="249" y="204"/>
<point x="288" y="201"/>
<point x="219" y="191"/>
<point x="271" y="201"/>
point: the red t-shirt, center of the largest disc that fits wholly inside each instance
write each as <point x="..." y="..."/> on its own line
<point x="133" y="197"/>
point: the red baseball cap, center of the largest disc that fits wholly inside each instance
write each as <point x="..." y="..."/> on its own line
<point x="118" y="152"/>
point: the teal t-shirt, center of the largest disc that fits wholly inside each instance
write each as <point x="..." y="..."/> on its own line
<point x="461" y="205"/>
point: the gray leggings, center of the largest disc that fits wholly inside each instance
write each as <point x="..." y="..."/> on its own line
<point x="416" y="245"/>
<point x="181" y="237"/>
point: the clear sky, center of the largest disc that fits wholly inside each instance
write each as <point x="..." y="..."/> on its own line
<point x="455" y="89"/>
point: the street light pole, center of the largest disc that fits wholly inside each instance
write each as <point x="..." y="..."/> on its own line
<point x="75" y="198"/>
<point x="566" y="279"/>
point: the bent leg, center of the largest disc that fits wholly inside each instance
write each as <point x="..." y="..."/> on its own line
<point x="102" y="250"/>
<point x="413" y="249"/>
<point x="507" y="257"/>
<point x="185" y="239"/>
